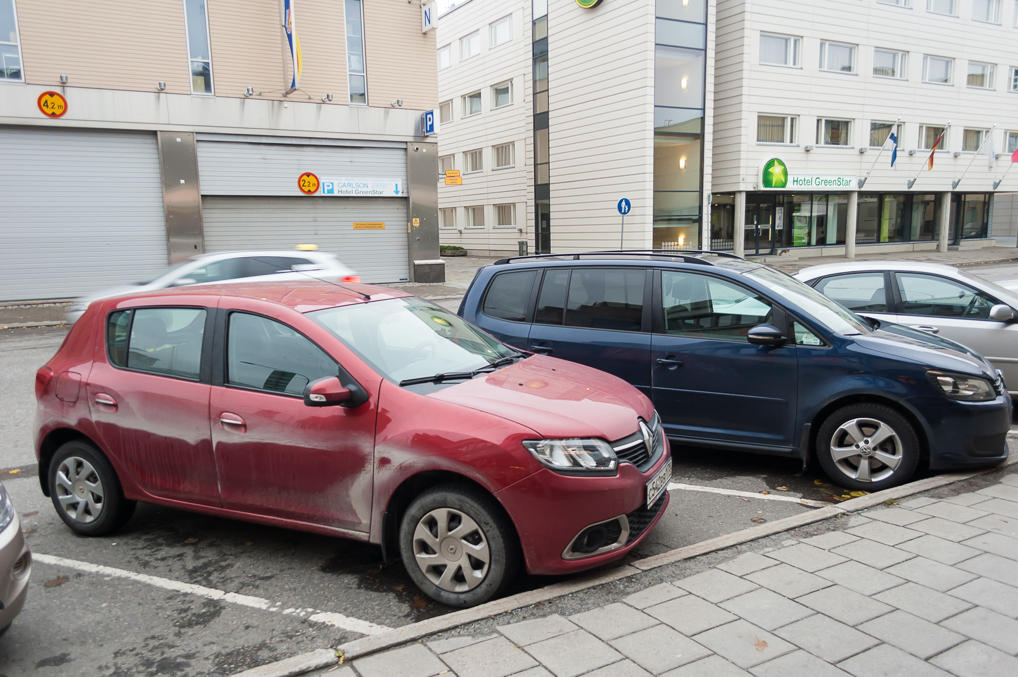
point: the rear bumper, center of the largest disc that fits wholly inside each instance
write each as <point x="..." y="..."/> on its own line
<point x="13" y="582"/>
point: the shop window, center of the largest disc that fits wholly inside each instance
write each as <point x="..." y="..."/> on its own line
<point x="938" y="70"/>
<point x="837" y="57"/>
<point x="10" y="44"/>
<point x="722" y="222"/>
<point x="831" y="132"/>
<point x="471" y="104"/>
<point x="475" y="217"/>
<point x="879" y="132"/>
<point x="503" y="155"/>
<point x="198" y="50"/>
<point x="986" y="10"/>
<point x="779" y="50"/>
<point x="776" y="128"/>
<point x="444" y="57"/>
<point x="948" y="7"/>
<point x="470" y="45"/>
<point x="972" y="139"/>
<point x="505" y="214"/>
<point x="889" y="63"/>
<point x="501" y="31"/>
<point x="473" y="160"/>
<point x="445" y="111"/>
<point x="971" y="221"/>
<point x="981" y="75"/>
<point x="502" y="94"/>
<point x="447" y="217"/>
<point x="928" y="135"/>
<point x="355" y="52"/>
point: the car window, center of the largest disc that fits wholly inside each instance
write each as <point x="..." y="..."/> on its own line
<point x="805" y="337"/>
<point x="551" y="302"/>
<point x="163" y="341"/>
<point x="605" y="298"/>
<point x="937" y="296"/>
<point x="508" y="295"/>
<point x="267" y="355"/>
<point x="818" y="308"/>
<point x="214" y="271"/>
<point x="707" y="307"/>
<point x="269" y="265"/>
<point x="857" y="291"/>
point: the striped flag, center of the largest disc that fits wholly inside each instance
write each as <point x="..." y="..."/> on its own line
<point x="929" y="163"/>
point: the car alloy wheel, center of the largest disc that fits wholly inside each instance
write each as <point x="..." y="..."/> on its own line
<point x="79" y="490"/>
<point x="85" y="490"/>
<point x="451" y="550"/>
<point x="867" y="447"/>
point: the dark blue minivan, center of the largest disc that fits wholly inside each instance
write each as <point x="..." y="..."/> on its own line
<point x="738" y="355"/>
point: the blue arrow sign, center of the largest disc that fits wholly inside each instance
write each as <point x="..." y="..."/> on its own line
<point x="625" y="206"/>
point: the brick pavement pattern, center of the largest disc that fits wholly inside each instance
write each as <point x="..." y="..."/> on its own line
<point x="925" y="587"/>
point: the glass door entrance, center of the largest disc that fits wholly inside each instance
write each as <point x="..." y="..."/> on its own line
<point x="764" y="223"/>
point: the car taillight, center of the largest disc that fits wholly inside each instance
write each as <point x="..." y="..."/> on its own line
<point x="350" y="278"/>
<point x="42" y="381"/>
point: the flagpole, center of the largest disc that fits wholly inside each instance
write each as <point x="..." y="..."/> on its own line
<point x="987" y="137"/>
<point x="932" y="151"/>
<point x="997" y="182"/>
<point x="865" y="178"/>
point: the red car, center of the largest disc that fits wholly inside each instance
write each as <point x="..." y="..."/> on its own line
<point x="354" y="411"/>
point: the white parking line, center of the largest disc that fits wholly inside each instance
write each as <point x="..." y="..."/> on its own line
<point x="315" y="616"/>
<point x="748" y="494"/>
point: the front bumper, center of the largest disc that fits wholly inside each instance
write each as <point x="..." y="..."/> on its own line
<point x="15" y="569"/>
<point x="968" y="434"/>
<point x="550" y="510"/>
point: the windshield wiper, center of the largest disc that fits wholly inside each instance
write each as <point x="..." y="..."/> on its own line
<point x="462" y="375"/>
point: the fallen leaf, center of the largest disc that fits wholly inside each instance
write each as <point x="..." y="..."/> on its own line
<point x="765" y="492"/>
<point x="54" y="582"/>
<point x="818" y="483"/>
<point x="190" y="540"/>
<point x="857" y="494"/>
<point x="15" y="471"/>
<point x="781" y="488"/>
<point x="758" y="520"/>
<point x="30" y="514"/>
<point x="761" y="645"/>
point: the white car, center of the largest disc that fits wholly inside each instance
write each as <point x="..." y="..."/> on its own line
<point x="267" y="266"/>
<point x="933" y="297"/>
<point x="15" y="563"/>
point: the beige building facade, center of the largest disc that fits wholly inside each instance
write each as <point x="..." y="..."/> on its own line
<point x="136" y="135"/>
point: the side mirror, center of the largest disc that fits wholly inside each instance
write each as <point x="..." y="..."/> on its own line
<point x="326" y="392"/>
<point x="766" y="335"/>
<point x="183" y="282"/>
<point x="1002" y="313"/>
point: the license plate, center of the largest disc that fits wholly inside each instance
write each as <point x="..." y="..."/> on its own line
<point x="659" y="483"/>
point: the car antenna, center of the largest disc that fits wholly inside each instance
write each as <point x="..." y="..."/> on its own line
<point x="364" y="295"/>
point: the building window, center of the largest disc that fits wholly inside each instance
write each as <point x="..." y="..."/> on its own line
<point x="501" y="31"/>
<point x="541" y="84"/>
<point x="475" y="217"/>
<point x="889" y="63"/>
<point x="938" y="70"/>
<point x="779" y="50"/>
<point x="928" y="135"/>
<point x="678" y="74"/>
<point x="972" y="139"/>
<point x="474" y="160"/>
<point x="446" y="162"/>
<point x="896" y="3"/>
<point x="879" y="132"/>
<point x="1013" y="85"/>
<point x="948" y="7"/>
<point x="986" y="10"/>
<point x="1012" y="141"/>
<point x="470" y="45"/>
<point x="197" y="46"/>
<point x="502" y="94"/>
<point x="834" y="132"/>
<point x="447" y="217"/>
<point x="505" y="214"/>
<point x="471" y="104"/>
<point x="503" y="155"/>
<point x="981" y="75"/>
<point x="837" y="57"/>
<point x="355" y="52"/>
<point x="776" y="128"/>
<point x="444" y="57"/>
<point x="445" y="111"/>
<point x="10" y="48"/>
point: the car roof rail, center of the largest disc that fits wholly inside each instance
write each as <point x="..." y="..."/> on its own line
<point x="686" y="255"/>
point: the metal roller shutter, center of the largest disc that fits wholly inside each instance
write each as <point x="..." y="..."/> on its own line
<point x="81" y="210"/>
<point x="380" y="255"/>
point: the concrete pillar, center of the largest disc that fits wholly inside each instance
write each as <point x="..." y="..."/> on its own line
<point x="739" y="232"/>
<point x="853" y="224"/>
<point x="944" y="222"/>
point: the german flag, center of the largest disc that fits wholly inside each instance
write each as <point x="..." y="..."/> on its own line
<point x="929" y="163"/>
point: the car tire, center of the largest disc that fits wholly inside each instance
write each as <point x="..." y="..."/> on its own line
<point x="445" y="535"/>
<point x="85" y="490"/>
<point x="867" y="447"/>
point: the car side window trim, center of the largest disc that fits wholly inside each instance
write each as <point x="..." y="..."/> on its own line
<point x="205" y="359"/>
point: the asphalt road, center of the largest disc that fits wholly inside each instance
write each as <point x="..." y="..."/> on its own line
<point x="181" y="593"/>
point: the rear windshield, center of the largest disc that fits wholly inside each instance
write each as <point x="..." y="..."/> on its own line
<point x="829" y="314"/>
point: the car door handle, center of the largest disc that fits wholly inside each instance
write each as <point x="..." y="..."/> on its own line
<point x="544" y="350"/>
<point x="232" y="420"/>
<point x="105" y="400"/>
<point x="929" y="328"/>
<point x="669" y="362"/>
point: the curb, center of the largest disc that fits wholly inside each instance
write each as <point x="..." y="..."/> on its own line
<point x="358" y="648"/>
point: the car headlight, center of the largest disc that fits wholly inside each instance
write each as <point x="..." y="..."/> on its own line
<point x="6" y="509"/>
<point x="964" y="388"/>
<point x="574" y="455"/>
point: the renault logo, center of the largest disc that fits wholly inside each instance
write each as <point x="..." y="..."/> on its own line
<point x="648" y="439"/>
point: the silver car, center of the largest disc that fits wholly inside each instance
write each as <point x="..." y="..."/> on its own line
<point x="15" y="563"/>
<point x="232" y="266"/>
<point x="935" y="298"/>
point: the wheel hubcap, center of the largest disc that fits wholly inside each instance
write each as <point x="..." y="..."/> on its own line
<point x="866" y="449"/>
<point x="451" y="550"/>
<point x="79" y="490"/>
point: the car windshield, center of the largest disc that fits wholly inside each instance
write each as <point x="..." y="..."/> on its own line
<point x="828" y="313"/>
<point x="165" y="272"/>
<point x="410" y="338"/>
<point x="1009" y="296"/>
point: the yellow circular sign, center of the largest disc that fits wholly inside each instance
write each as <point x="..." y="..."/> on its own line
<point x="588" y="4"/>
<point x="308" y="183"/>
<point x="52" y="104"/>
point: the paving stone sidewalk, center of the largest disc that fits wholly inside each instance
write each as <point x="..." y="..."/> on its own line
<point x="926" y="586"/>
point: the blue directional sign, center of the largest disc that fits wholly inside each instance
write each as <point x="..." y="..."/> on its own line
<point x="625" y="206"/>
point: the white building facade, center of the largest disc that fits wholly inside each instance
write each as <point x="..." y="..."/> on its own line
<point x="808" y="95"/>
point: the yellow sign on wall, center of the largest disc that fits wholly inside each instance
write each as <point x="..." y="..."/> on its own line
<point x="453" y="178"/>
<point x="369" y="226"/>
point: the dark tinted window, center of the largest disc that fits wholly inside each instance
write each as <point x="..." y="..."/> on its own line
<point x="702" y="306"/>
<point x="117" y="326"/>
<point x="940" y="297"/>
<point x="267" y="355"/>
<point x="551" y="302"/>
<point x="606" y="298"/>
<point x="269" y="265"/>
<point x="228" y="269"/>
<point x="508" y="295"/>
<point x="858" y="291"/>
<point x="167" y="341"/>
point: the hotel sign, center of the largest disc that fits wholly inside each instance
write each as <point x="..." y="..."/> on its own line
<point x="775" y="176"/>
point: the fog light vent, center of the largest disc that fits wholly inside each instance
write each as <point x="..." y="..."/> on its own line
<point x="22" y="564"/>
<point x="599" y="538"/>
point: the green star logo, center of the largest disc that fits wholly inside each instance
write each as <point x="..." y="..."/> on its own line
<point x="588" y="4"/>
<point x="775" y="174"/>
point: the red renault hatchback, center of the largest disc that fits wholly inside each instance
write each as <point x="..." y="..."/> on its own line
<point x="354" y="411"/>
